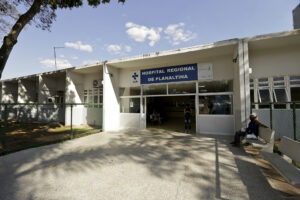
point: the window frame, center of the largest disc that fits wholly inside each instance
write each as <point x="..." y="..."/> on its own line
<point x="230" y="94"/>
<point x="130" y="97"/>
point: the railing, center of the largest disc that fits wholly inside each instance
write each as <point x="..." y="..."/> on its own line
<point x="280" y="116"/>
<point x="37" y="114"/>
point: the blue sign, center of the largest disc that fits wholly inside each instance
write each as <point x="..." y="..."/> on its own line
<point x="170" y="74"/>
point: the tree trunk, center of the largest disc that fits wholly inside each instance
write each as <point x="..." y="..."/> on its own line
<point x="10" y="40"/>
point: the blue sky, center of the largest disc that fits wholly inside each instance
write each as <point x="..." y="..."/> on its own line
<point x="142" y="26"/>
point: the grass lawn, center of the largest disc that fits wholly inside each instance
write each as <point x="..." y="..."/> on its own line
<point x="21" y="136"/>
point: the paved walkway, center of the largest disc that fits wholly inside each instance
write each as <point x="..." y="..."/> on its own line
<point x="132" y="165"/>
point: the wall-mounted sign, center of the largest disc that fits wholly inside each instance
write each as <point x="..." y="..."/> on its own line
<point x="205" y="71"/>
<point x="170" y="74"/>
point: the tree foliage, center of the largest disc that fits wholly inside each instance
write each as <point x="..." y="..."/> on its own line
<point x="41" y="13"/>
<point x="8" y="14"/>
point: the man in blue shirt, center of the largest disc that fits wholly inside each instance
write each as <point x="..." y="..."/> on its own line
<point x="252" y="128"/>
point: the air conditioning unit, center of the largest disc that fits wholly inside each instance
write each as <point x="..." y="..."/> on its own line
<point x="97" y="83"/>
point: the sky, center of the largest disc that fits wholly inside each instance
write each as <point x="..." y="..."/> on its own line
<point x="117" y="30"/>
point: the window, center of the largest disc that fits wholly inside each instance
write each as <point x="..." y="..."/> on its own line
<point x="216" y="86"/>
<point x="101" y="95"/>
<point x="154" y="89"/>
<point x="263" y="80"/>
<point x="275" y="79"/>
<point x="90" y="98"/>
<point x="293" y="78"/>
<point x="251" y="83"/>
<point x="295" y="93"/>
<point x="264" y="92"/>
<point x="252" y="97"/>
<point x="85" y="96"/>
<point x="215" y="104"/>
<point x="182" y="88"/>
<point x="130" y="105"/>
<point x="130" y="91"/>
<point x="295" y="81"/>
<point x="280" y="93"/>
<point x="96" y="101"/>
<point x="59" y="99"/>
<point x="93" y="96"/>
<point x="264" y="96"/>
<point x="295" y="88"/>
<point x="252" y="93"/>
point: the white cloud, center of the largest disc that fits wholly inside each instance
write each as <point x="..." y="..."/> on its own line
<point x="79" y="46"/>
<point x="114" y="49"/>
<point x="140" y="33"/>
<point x="61" y="63"/>
<point x="128" y="48"/>
<point x="61" y="55"/>
<point x="118" y="49"/>
<point x="74" y="57"/>
<point x="176" y="34"/>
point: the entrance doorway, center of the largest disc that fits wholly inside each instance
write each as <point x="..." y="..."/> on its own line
<point x="170" y="110"/>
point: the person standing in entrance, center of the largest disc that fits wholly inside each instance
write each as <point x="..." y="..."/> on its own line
<point x="187" y="118"/>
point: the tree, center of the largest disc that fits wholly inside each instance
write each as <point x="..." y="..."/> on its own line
<point x="8" y="13"/>
<point x="39" y="12"/>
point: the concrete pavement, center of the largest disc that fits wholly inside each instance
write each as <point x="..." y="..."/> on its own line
<point x="149" y="164"/>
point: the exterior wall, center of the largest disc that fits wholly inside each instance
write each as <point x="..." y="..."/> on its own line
<point x="48" y="86"/>
<point x="88" y="79"/>
<point x="10" y="95"/>
<point x="93" y="115"/>
<point x="28" y="93"/>
<point x="275" y="62"/>
<point x="222" y="70"/>
<point x="10" y="92"/>
<point x="129" y="120"/>
<point x="111" y="98"/>
<point x="216" y="124"/>
<point x="75" y="85"/>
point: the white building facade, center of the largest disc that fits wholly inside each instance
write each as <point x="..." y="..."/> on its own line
<point x="218" y="80"/>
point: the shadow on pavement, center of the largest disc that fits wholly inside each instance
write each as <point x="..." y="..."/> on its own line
<point x="206" y="165"/>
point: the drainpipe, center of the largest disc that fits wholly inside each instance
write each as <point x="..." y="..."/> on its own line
<point x="103" y="92"/>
